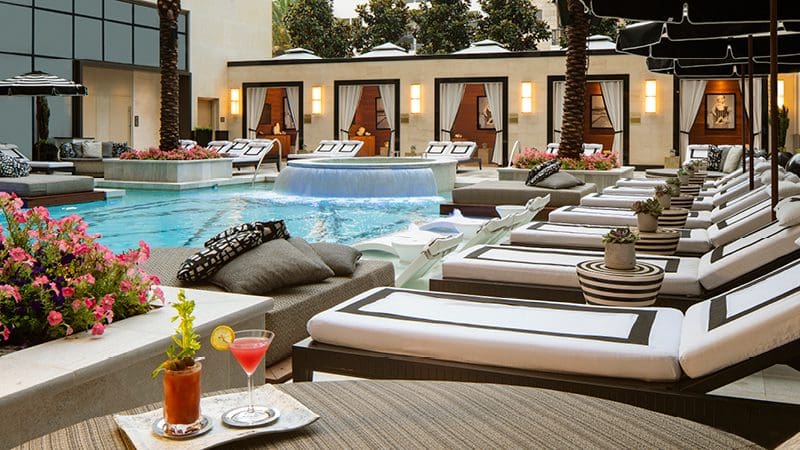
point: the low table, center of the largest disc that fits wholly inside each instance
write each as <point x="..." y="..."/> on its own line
<point x="691" y="189"/>
<point x="663" y="241"/>
<point x="682" y="201"/>
<point x="436" y="414"/>
<point x="611" y="287"/>
<point x="673" y="218"/>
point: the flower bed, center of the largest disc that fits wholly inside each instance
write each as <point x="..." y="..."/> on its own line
<point x="154" y="154"/>
<point x="56" y="279"/>
<point x="530" y="157"/>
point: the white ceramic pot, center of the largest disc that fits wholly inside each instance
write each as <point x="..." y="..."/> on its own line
<point x="620" y="256"/>
<point x="665" y="200"/>
<point x="647" y="222"/>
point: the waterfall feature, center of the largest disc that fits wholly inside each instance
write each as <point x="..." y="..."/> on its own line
<point x="342" y="180"/>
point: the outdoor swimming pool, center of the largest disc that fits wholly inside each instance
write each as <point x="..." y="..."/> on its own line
<point x="189" y="218"/>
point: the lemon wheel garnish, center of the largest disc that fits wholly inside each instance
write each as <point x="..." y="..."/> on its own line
<point x="221" y="337"/>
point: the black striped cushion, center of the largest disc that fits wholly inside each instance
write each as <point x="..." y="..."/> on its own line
<point x="208" y="261"/>
<point x="275" y="229"/>
<point x="542" y="171"/>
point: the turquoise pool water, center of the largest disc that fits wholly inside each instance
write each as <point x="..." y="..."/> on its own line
<point x="189" y="218"/>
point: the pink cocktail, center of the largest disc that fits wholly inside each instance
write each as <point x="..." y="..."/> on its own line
<point x="249" y="351"/>
<point x="249" y="347"/>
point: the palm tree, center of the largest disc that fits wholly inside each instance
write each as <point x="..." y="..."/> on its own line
<point x="168" y="12"/>
<point x="575" y="86"/>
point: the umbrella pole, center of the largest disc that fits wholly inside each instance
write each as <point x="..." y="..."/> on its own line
<point x="744" y="117"/>
<point x="773" y="99"/>
<point x="750" y="69"/>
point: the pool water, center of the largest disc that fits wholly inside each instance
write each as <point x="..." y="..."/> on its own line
<point x="189" y="218"/>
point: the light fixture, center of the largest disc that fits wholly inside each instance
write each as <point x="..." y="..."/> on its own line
<point x="780" y="94"/>
<point x="416" y="99"/>
<point x="316" y="100"/>
<point x="650" y="96"/>
<point x="235" y="102"/>
<point x="527" y="97"/>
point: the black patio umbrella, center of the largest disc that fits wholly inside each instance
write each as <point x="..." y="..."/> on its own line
<point x="643" y="34"/>
<point x="711" y="68"/>
<point x="711" y="48"/>
<point x="694" y="11"/>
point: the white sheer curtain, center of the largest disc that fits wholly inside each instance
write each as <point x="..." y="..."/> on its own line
<point x="450" y="95"/>
<point x="293" y="98"/>
<point x="494" y="95"/>
<point x="255" y="106"/>
<point x="558" y="109"/>
<point x="757" y="110"/>
<point x="612" y="97"/>
<point x="349" y="96"/>
<point x="691" y="98"/>
<point x="387" y="96"/>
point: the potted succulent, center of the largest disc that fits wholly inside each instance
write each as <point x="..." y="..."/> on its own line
<point x="182" y="372"/>
<point x="620" y="245"/>
<point x="683" y="176"/>
<point x="674" y="185"/>
<point x="647" y="213"/>
<point x="664" y="195"/>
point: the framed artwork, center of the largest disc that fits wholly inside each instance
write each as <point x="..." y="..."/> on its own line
<point x="381" y="122"/>
<point x="598" y="114"/>
<point x="485" y="118"/>
<point x="288" y="122"/>
<point x="720" y="111"/>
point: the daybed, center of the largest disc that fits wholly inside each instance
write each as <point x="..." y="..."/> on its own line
<point x="481" y="199"/>
<point x="51" y="190"/>
<point x="294" y="305"/>
<point x="331" y="149"/>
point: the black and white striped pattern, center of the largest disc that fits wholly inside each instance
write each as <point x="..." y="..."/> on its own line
<point x="40" y="84"/>
<point x="698" y="178"/>
<point x="673" y="218"/>
<point x="662" y="242"/>
<point x="683" y="201"/>
<point x="609" y="287"/>
<point x="691" y="189"/>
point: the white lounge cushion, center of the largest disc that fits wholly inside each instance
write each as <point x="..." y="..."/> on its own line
<point x="640" y="182"/>
<point x="739" y="204"/>
<point x="521" y="334"/>
<point x="617" y="216"/>
<point x="788" y="189"/>
<point x="741" y="324"/>
<point x="556" y="267"/>
<point x="788" y="214"/>
<point x="626" y="201"/>
<point x="740" y="224"/>
<point x="742" y="256"/>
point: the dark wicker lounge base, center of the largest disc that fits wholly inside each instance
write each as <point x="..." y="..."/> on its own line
<point x="294" y="306"/>
<point x="763" y="422"/>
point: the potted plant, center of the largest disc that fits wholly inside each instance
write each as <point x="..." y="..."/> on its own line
<point x="203" y="136"/>
<point x="674" y="185"/>
<point x="182" y="372"/>
<point x="620" y="248"/>
<point x="647" y="213"/>
<point x="664" y="195"/>
<point x="683" y="176"/>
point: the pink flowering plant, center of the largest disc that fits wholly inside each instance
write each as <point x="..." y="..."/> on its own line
<point x="56" y="279"/>
<point x="530" y="157"/>
<point x="172" y="155"/>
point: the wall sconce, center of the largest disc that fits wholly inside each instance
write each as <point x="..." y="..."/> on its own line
<point x="527" y="97"/>
<point x="650" y="96"/>
<point x="316" y="100"/>
<point x="235" y="102"/>
<point x="416" y="99"/>
<point x="780" y="94"/>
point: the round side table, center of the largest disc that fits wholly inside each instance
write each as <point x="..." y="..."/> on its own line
<point x="691" y="189"/>
<point x="610" y="287"/>
<point x="663" y="241"/>
<point x="673" y="217"/>
<point x="683" y="201"/>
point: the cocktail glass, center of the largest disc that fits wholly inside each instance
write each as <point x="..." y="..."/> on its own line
<point x="182" y="400"/>
<point x="249" y="347"/>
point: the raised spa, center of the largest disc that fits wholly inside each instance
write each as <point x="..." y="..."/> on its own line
<point x="367" y="177"/>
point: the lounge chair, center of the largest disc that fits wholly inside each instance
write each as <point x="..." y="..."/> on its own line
<point x="218" y="146"/>
<point x="656" y="358"/>
<point x="461" y="151"/>
<point x="427" y="258"/>
<point x="331" y="149"/>
<point x="256" y="152"/>
<point x="187" y="144"/>
<point x="37" y="166"/>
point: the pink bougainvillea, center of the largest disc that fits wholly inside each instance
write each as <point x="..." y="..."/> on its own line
<point x="530" y="157"/>
<point x="172" y="155"/>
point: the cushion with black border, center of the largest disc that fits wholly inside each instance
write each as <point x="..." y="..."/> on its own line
<point x="542" y="171"/>
<point x="714" y="159"/>
<point x="206" y="262"/>
<point x="560" y="180"/>
<point x="12" y="167"/>
<point x="342" y="259"/>
<point x="275" y="229"/>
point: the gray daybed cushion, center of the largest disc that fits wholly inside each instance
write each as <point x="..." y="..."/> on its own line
<point x="294" y="306"/>
<point x="342" y="259"/>
<point x="559" y="180"/>
<point x="40" y="185"/>
<point x="516" y="193"/>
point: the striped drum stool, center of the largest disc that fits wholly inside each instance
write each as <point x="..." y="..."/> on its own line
<point x="662" y="242"/>
<point x="691" y="189"/>
<point x="673" y="218"/>
<point x="698" y="178"/>
<point x="603" y="286"/>
<point x="683" y="201"/>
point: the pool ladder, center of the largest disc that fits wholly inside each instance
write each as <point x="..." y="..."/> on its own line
<point x="260" y="161"/>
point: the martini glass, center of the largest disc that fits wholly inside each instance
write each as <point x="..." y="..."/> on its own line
<point x="249" y="347"/>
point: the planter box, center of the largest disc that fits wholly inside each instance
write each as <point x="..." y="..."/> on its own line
<point x="166" y="171"/>
<point x="601" y="178"/>
<point x="63" y="382"/>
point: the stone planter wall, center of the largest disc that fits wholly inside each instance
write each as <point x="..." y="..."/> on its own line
<point x="601" y="178"/>
<point x="166" y="171"/>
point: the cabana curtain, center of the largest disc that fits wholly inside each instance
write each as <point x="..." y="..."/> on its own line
<point x="255" y="106"/>
<point x="450" y="95"/>
<point x="612" y="97"/>
<point x="293" y="98"/>
<point x="349" y="96"/>
<point x="558" y="110"/>
<point x="494" y="95"/>
<point x="388" y="95"/>
<point x="691" y="98"/>
<point x="756" y="115"/>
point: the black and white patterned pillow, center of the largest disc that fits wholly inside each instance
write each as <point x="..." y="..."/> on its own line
<point x="67" y="151"/>
<point x="542" y="171"/>
<point x="118" y="147"/>
<point x="275" y="229"/>
<point x="12" y="167"/>
<point x="715" y="159"/>
<point x="208" y="261"/>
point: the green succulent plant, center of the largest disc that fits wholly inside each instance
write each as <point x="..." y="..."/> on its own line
<point x="620" y="236"/>
<point x="650" y="206"/>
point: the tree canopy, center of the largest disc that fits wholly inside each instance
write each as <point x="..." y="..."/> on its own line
<point x="381" y="21"/>
<point x="280" y="37"/>
<point x="443" y="26"/>
<point x="311" y="25"/>
<point x="512" y="23"/>
<point x="597" y="25"/>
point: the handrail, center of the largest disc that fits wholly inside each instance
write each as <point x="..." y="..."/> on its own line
<point x="514" y="149"/>
<point x="261" y="160"/>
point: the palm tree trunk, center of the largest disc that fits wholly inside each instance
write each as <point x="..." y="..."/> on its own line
<point x="575" y="86"/>
<point x="168" y="11"/>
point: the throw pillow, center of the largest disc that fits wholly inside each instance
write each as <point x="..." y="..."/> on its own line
<point x="268" y="230"/>
<point x="788" y="214"/>
<point x="766" y="176"/>
<point x="12" y="167"/>
<point x="761" y="166"/>
<point x="107" y="147"/>
<point x="733" y="159"/>
<point x="715" y="159"/>
<point x="342" y="259"/>
<point x="788" y="189"/>
<point x="92" y="149"/>
<point x="117" y="148"/>
<point x="268" y="267"/>
<point x="542" y="171"/>
<point x="559" y="180"/>
<point x="67" y="151"/>
<point x="792" y="177"/>
<point x="209" y="260"/>
<point x="306" y="249"/>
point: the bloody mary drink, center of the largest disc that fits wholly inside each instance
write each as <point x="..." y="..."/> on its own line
<point x="182" y="399"/>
